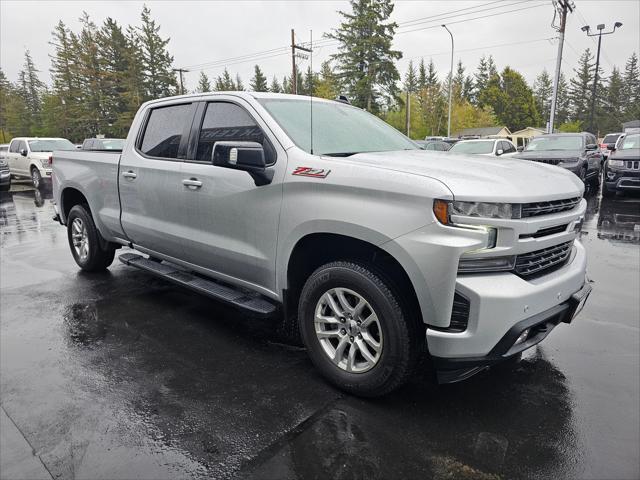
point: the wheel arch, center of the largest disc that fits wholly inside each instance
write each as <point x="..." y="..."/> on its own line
<point x="69" y="198"/>
<point x="316" y="249"/>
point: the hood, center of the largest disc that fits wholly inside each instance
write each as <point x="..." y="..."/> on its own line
<point x="550" y="155"/>
<point x="481" y="178"/>
<point x="628" y="154"/>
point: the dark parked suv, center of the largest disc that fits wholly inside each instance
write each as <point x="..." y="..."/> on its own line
<point x="622" y="168"/>
<point x="577" y="152"/>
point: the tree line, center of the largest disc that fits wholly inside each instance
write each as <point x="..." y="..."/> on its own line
<point x="100" y="75"/>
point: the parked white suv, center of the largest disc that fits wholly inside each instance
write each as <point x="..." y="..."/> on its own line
<point x="30" y="157"/>
<point x="494" y="147"/>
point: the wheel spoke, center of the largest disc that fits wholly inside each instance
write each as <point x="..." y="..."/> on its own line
<point x="326" y="319"/>
<point x="365" y="351"/>
<point x="342" y="345"/>
<point x="344" y="303"/>
<point x="351" y="359"/>
<point x="332" y="304"/>
<point x="366" y="323"/>
<point x="371" y="342"/>
<point x="328" y="334"/>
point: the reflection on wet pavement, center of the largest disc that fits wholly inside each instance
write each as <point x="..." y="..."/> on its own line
<point x="120" y="375"/>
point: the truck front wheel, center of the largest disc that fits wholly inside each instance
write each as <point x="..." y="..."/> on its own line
<point x="89" y="250"/>
<point x="356" y="331"/>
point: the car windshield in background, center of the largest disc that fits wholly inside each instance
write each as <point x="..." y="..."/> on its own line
<point x="338" y="129"/>
<point x="610" y="138"/>
<point x="472" y="147"/>
<point x="549" y="144"/>
<point x="630" y="141"/>
<point x="45" y="145"/>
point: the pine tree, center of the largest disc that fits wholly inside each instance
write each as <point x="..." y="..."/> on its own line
<point x="224" y="82"/>
<point x="31" y="87"/>
<point x="365" y="60"/>
<point x="610" y="117"/>
<point x="309" y="82"/>
<point x="238" y="85"/>
<point x="580" y="89"/>
<point x="411" y="79"/>
<point x="632" y="88"/>
<point x="486" y="69"/>
<point x="259" y="82"/>
<point x="327" y="84"/>
<point x="159" y="77"/>
<point x="562" y="101"/>
<point x="204" y="85"/>
<point x="422" y="75"/>
<point x="286" y="85"/>
<point x="133" y="79"/>
<point x="275" y="86"/>
<point x="543" y="93"/>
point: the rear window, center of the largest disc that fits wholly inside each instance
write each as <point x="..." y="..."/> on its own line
<point x="477" y="147"/>
<point x="610" y="138"/>
<point x="163" y="133"/>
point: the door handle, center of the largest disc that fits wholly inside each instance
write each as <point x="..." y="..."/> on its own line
<point x="192" y="183"/>
<point x="129" y="175"/>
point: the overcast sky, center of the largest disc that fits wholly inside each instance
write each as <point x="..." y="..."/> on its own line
<point x="210" y="31"/>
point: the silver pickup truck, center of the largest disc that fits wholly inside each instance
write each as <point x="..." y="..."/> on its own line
<point x="322" y="215"/>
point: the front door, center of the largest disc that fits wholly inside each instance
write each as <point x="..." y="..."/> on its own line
<point x="232" y="223"/>
<point x="150" y="181"/>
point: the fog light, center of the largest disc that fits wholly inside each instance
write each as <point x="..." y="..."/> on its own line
<point x="522" y="337"/>
<point x="611" y="175"/>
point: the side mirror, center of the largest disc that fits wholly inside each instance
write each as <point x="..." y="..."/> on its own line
<point x="611" y="146"/>
<point x="247" y="156"/>
<point x="520" y="148"/>
<point x="23" y="152"/>
<point x="592" y="146"/>
<point x="499" y="152"/>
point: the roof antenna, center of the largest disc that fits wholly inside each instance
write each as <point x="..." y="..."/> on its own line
<point x="311" y="86"/>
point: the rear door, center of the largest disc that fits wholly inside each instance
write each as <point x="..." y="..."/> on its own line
<point x="594" y="157"/>
<point x="232" y="223"/>
<point x="150" y="180"/>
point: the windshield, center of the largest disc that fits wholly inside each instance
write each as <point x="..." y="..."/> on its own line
<point x="472" y="147"/>
<point x="547" y="144"/>
<point x="630" y="141"/>
<point x="611" y="138"/>
<point x="49" y="145"/>
<point x="338" y="129"/>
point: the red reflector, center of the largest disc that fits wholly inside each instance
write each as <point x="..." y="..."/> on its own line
<point x="50" y="159"/>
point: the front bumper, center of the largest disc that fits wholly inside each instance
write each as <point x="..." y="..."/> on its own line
<point x="622" y="179"/>
<point x="499" y="302"/>
<point x="5" y="177"/>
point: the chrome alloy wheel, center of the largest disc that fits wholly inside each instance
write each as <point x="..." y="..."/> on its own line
<point x="348" y="330"/>
<point x="80" y="239"/>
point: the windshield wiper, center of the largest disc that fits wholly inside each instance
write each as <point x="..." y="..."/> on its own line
<point x="340" y="154"/>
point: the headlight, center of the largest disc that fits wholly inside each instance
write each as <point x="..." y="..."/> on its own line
<point x="616" y="163"/>
<point x="443" y="210"/>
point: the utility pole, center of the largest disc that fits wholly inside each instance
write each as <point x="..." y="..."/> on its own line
<point x="600" y="28"/>
<point x="294" y="73"/>
<point x="561" y="6"/>
<point x="180" y="72"/>
<point x="450" y="83"/>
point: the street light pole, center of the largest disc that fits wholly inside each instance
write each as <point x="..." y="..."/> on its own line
<point x="450" y="83"/>
<point x="600" y="33"/>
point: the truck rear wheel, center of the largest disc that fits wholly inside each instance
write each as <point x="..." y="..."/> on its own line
<point x="86" y="243"/>
<point x="355" y="330"/>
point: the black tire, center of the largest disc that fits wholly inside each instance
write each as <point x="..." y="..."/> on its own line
<point x="36" y="178"/>
<point x="401" y="344"/>
<point x="5" y="188"/>
<point x="583" y="176"/>
<point x="99" y="256"/>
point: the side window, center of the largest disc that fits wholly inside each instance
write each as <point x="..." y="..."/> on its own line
<point x="13" y="147"/>
<point x="431" y="146"/>
<point x="164" y="130"/>
<point x="228" y="122"/>
<point x="509" y="148"/>
<point x="501" y="146"/>
<point x="22" y="146"/>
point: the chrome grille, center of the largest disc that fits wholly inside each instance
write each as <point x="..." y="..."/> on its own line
<point x="532" y="263"/>
<point x="632" y="164"/>
<point x="546" y="208"/>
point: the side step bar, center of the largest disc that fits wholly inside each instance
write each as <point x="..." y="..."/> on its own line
<point x="253" y="302"/>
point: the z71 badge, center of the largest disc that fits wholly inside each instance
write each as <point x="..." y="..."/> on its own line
<point x="311" y="172"/>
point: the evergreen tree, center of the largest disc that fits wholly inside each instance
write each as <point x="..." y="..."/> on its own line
<point x="309" y="82"/>
<point x="462" y="85"/>
<point x="562" y="101"/>
<point x="422" y="76"/>
<point x="91" y="109"/>
<point x="610" y="119"/>
<point x="133" y="80"/>
<point x="31" y="88"/>
<point x="580" y="89"/>
<point x="159" y="77"/>
<point x="204" y="85"/>
<point x="486" y="69"/>
<point x="286" y="85"/>
<point x="275" y="85"/>
<point x="365" y="60"/>
<point x="224" y="82"/>
<point x="543" y="93"/>
<point x="259" y="82"/>
<point x="411" y="79"/>
<point x="327" y="84"/>
<point x="632" y="88"/>
<point x="238" y="85"/>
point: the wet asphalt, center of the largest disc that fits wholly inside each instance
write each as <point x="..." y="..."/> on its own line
<point x="121" y="375"/>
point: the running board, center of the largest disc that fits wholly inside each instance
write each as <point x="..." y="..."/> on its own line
<point x="244" y="299"/>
